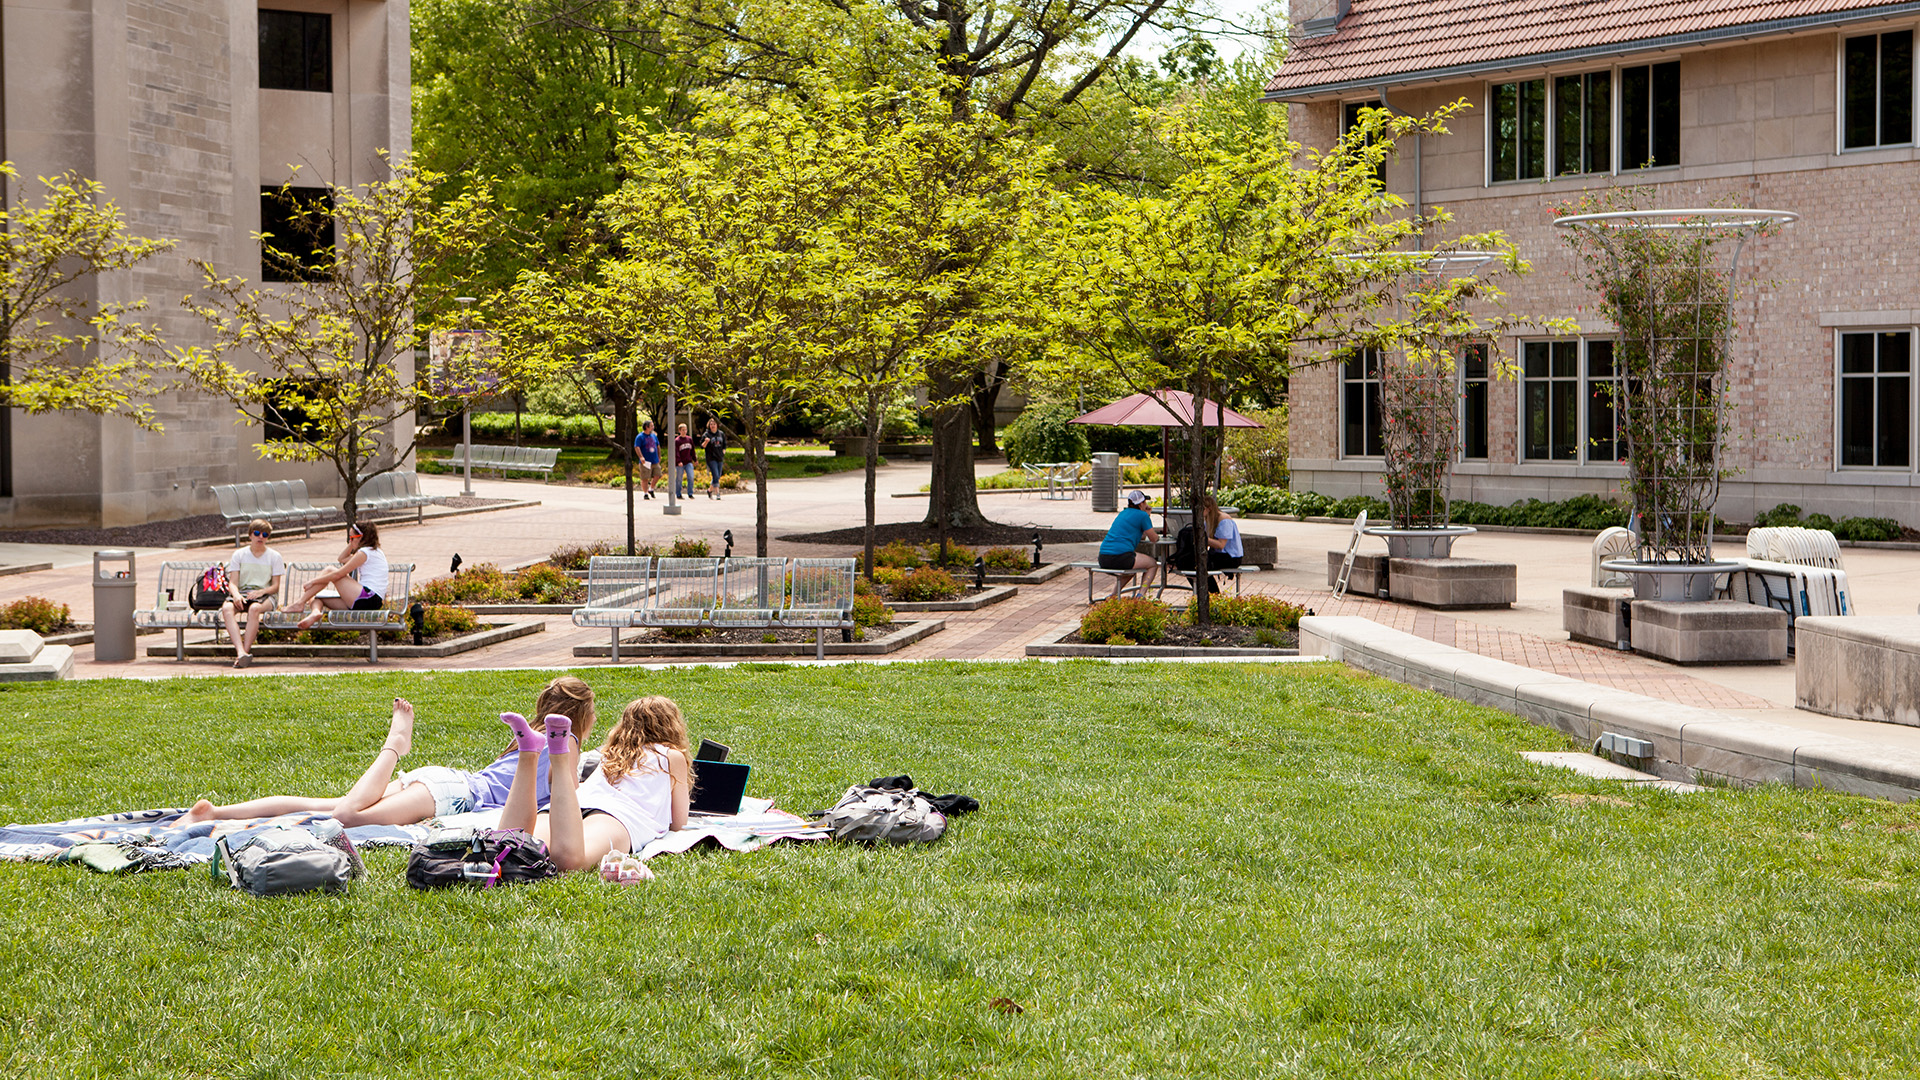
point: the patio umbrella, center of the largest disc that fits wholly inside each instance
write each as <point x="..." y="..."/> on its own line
<point x="1163" y="409"/>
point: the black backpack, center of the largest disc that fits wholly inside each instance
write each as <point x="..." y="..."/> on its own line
<point x="1183" y="550"/>
<point x="478" y="858"/>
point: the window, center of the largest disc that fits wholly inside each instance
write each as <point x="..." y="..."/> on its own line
<point x="1603" y="403"/>
<point x="1878" y="97"/>
<point x="297" y="224"/>
<point x="1360" y="405"/>
<point x="1583" y="123"/>
<point x="1474" y="382"/>
<point x="1350" y="119"/>
<point x="286" y="415"/>
<point x="1876" y="395"/>
<point x="1650" y="116"/>
<point x="296" y="51"/>
<point x="1569" y="389"/>
<point x="1517" y="130"/>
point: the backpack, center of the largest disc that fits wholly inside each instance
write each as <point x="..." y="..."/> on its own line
<point x="478" y="858"/>
<point x="282" y="859"/>
<point x="870" y="815"/>
<point x="1184" y="554"/>
<point x="210" y="591"/>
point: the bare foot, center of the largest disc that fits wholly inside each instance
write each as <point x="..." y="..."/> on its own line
<point x="307" y="623"/>
<point x="400" y="735"/>
<point x="201" y="811"/>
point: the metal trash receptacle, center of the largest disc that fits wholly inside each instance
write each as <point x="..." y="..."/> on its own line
<point x="113" y="603"/>
<point x="1104" y="483"/>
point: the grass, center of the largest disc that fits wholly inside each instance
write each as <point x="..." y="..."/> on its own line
<point x="1180" y="870"/>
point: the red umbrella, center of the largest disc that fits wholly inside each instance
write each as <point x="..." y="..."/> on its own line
<point x="1163" y="409"/>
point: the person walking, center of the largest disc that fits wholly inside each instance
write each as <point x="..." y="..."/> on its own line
<point x="647" y="446"/>
<point x="682" y="464"/>
<point x="714" y="442"/>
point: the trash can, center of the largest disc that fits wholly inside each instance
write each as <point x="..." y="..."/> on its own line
<point x="1105" y="483"/>
<point x="113" y="604"/>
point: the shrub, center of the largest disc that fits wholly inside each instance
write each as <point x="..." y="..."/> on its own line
<point x="35" y="613"/>
<point x="1858" y="528"/>
<point x="1007" y="560"/>
<point x="579" y="556"/>
<point x="684" y="548"/>
<point x="1043" y="433"/>
<point x="440" y="620"/>
<point x="1784" y="514"/>
<point x="1126" y="616"/>
<point x="582" y="429"/>
<point x="957" y="555"/>
<point x="1259" y="455"/>
<point x="1351" y="506"/>
<point x="610" y="475"/>
<point x="480" y="584"/>
<point x="887" y="575"/>
<point x="925" y="584"/>
<point x="898" y="553"/>
<point x="1262" y="612"/>
<point x="1256" y="499"/>
<point x="861" y="586"/>
<point x="1149" y="471"/>
<point x="1268" y="639"/>
<point x="545" y="583"/>
<point x="868" y="610"/>
<point x="732" y="481"/>
<point x="1312" y="504"/>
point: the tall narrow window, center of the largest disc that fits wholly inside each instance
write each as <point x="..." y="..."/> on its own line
<point x="1550" y="386"/>
<point x="298" y="227"/>
<point x="1474" y="382"/>
<point x="1350" y="119"/>
<point x="1517" y="130"/>
<point x="1603" y="403"/>
<point x="1650" y="116"/>
<point x="296" y="51"/>
<point x="1879" y="90"/>
<point x="1583" y="123"/>
<point x="1876" y="399"/>
<point x="1360" y="405"/>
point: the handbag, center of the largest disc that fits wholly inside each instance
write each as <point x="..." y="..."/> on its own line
<point x="210" y="591"/>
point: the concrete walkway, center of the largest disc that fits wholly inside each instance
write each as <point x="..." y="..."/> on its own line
<point x="1885" y="582"/>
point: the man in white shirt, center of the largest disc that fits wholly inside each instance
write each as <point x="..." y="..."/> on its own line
<point x="254" y="574"/>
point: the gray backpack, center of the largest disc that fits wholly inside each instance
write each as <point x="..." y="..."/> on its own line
<point x="873" y="815"/>
<point x="280" y="860"/>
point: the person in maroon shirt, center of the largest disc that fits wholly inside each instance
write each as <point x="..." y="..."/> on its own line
<point x="683" y="462"/>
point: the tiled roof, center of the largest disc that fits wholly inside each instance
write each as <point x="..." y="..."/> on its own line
<point x="1407" y="40"/>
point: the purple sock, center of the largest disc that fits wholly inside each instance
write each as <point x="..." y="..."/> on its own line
<point x="559" y="734"/>
<point x="525" y="739"/>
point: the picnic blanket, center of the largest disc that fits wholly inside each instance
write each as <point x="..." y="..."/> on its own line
<point x="137" y="840"/>
<point x="758" y="824"/>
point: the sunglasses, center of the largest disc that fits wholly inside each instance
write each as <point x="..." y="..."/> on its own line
<point x="261" y="532"/>
<point x="355" y="531"/>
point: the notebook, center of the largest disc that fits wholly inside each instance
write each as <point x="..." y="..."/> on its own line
<point x="718" y="787"/>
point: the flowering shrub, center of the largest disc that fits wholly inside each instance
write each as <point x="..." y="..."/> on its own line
<point x="440" y="620"/>
<point x="925" y="584"/>
<point x="579" y="556"/>
<point x="1253" y="611"/>
<point x="35" y="613"/>
<point x="869" y="611"/>
<point x="683" y="548"/>
<point x="545" y="583"/>
<point x="1008" y="560"/>
<point x="1134" y="618"/>
<point x="483" y="583"/>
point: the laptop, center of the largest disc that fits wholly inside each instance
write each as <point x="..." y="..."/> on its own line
<point x="712" y="751"/>
<point x="718" y="787"/>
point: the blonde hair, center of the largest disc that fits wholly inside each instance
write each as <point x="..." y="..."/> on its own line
<point x="648" y="721"/>
<point x="569" y="697"/>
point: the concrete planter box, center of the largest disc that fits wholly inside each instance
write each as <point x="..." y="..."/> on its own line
<point x="966" y="603"/>
<point x="1866" y="667"/>
<point x="903" y="635"/>
<point x="1708" y="631"/>
<point x="1452" y="583"/>
<point x="401" y="649"/>
<point x="1369" y="574"/>
<point x="1050" y="645"/>
<point x="1596" y="616"/>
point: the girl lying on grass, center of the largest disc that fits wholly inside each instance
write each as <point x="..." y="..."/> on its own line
<point x="641" y="789"/>
<point x="380" y="798"/>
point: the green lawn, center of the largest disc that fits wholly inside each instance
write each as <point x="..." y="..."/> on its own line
<point x="1180" y="870"/>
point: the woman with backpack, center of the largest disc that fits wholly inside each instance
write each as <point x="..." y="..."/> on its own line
<point x="641" y="790"/>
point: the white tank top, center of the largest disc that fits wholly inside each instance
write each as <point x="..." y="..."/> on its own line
<point x="373" y="573"/>
<point x="641" y="801"/>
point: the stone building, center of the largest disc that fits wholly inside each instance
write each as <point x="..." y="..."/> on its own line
<point x="187" y="111"/>
<point x="1800" y="105"/>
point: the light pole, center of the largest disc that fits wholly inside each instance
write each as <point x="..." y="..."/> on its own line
<point x="671" y="452"/>
<point x="466" y="408"/>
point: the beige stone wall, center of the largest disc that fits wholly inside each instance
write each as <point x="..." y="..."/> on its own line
<point x="1759" y="129"/>
<point x="160" y="101"/>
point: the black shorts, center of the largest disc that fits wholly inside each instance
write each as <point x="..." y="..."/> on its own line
<point x="1122" y="561"/>
<point x="369" y="602"/>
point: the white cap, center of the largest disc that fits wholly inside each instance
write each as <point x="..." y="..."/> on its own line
<point x="1136" y="498"/>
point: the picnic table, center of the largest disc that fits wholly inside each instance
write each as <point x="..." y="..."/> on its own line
<point x="1058" y="477"/>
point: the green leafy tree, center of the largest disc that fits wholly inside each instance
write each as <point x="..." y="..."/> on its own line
<point x="324" y="363"/>
<point x="60" y="349"/>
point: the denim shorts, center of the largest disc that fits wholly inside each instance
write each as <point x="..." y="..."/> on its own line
<point x="451" y="793"/>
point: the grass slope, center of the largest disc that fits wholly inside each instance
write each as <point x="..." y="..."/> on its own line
<point x="1180" y="870"/>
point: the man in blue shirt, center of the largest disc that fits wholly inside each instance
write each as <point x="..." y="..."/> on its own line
<point x="1118" y="550"/>
<point x="647" y="445"/>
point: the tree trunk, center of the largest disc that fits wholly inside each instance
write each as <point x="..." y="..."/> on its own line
<point x="1196" y="487"/>
<point x="873" y="474"/>
<point x="987" y="385"/>
<point x="954" y="499"/>
<point x="757" y="457"/>
<point x="623" y="395"/>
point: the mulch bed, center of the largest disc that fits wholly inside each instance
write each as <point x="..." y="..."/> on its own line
<point x="992" y="534"/>
<point x="1234" y="637"/>
<point x="751" y="636"/>
<point x="163" y="533"/>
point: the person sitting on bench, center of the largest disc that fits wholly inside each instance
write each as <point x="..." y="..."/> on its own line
<point x="1224" y="550"/>
<point x="1119" y="550"/>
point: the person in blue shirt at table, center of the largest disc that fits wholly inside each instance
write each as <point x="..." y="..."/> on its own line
<point x="1118" y="550"/>
<point x="1223" y="547"/>
<point x="647" y="445"/>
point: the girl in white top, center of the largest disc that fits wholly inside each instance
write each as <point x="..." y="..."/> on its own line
<point x="360" y="579"/>
<point x="254" y="574"/>
<point x="641" y="790"/>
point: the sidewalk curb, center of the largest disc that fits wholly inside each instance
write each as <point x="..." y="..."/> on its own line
<point x="908" y="633"/>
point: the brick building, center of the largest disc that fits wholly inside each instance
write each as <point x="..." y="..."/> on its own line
<point x="1800" y="105"/>
<point x="187" y="111"/>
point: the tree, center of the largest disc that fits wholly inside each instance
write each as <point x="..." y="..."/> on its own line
<point x="326" y="358"/>
<point x="1255" y="259"/>
<point x="61" y="350"/>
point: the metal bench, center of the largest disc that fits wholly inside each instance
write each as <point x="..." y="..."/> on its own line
<point x="170" y="611"/>
<point x="1233" y="572"/>
<point x="1138" y="588"/>
<point x="275" y="501"/>
<point x="626" y="592"/>
<point x="505" y="459"/>
<point x="391" y="615"/>
<point x="392" y="491"/>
